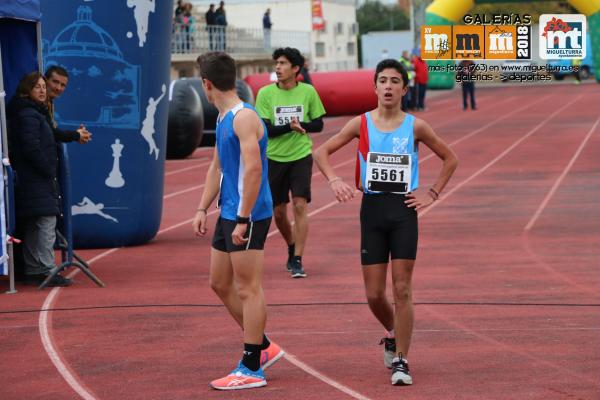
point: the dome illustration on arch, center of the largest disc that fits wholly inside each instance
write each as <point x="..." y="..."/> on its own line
<point x="105" y="85"/>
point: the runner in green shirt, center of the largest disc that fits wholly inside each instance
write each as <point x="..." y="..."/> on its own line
<point x="290" y="110"/>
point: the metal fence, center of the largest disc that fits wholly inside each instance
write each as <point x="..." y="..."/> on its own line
<point x="198" y="39"/>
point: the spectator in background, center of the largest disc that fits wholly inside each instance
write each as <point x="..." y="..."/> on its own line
<point x="179" y="8"/>
<point x="267" y="24"/>
<point x="410" y="70"/>
<point x="221" y="13"/>
<point x="57" y="79"/>
<point x="304" y="73"/>
<point x="34" y="156"/>
<point x="421" y="79"/>
<point x="221" y="21"/>
<point x="576" y="70"/>
<point x="189" y="24"/>
<point x="211" y="21"/>
<point x="465" y="75"/>
<point x="177" y="27"/>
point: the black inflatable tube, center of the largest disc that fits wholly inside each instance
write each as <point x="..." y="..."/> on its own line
<point x="186" y="120"/>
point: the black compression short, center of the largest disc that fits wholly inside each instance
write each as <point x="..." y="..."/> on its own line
<point x="256" y="233"/>
<point x="387" y="228"/>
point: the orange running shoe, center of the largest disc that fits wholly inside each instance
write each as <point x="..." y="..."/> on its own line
<point x="270" y="355"/>
<point x="240" y="378"/>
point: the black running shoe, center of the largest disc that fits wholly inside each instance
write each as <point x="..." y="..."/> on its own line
<point x="35" y="279"/>
<point x="59" y="281"/>
<point x="400" y="373"/>
<point x="389" y="351"/>
<point x="56" y="281"/>
<point x="297" y="271"/>
<point x="290" y="260"/>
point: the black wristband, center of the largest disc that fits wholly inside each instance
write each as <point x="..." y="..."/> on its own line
<point x="242" y="220"/>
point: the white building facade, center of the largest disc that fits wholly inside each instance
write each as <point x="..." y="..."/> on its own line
<point x="332" y="49"/>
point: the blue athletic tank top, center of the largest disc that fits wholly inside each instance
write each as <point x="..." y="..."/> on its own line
<point x="232" y="170"/>
<point x="399" y="141"/>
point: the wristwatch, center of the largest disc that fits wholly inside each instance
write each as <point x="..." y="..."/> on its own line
<point x="242" y="220"/>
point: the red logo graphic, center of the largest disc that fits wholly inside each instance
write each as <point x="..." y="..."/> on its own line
<point x="556" y="25"/>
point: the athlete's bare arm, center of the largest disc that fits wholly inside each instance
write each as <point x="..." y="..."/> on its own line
<point x="425" y="134"/>
<point x="211" y="190"/>
<point x="343" y="192"/>
<point x="249" y="130"/>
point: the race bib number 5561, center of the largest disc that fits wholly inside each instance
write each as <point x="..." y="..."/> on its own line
<point x="285" y="114"/>
<point x="388" y="172"/>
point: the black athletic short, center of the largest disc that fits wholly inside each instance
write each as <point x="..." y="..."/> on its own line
<point x="256" y="232"/>
<point x="387" y="228"/>
<point x="291" y="176"/>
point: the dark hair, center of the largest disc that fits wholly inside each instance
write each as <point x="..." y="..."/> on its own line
<point x="394" y="64"/>
<point x="293" y="56"/>
<point x="219" y="68"/>
<point x="55" y="69"/>
<point x="28" y="82"/>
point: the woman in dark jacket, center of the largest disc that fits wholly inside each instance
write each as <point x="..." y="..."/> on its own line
<point x="34" y="156"/>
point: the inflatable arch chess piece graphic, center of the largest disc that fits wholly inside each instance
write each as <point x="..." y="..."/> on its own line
<point x="115" y="178"/>
<point x="111" y="81"/>
<point x="148" y="124"/>
<point x="96" y="65"/>
<point x="449" y="12"/>
<point x="141" y="13"/>
<point x="87" y="207"/>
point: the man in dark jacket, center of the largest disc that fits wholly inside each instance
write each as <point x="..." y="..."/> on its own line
<point x="211" y="21"/>
<point x="221" y="20"/>
<point x="466" y="76"/>
<point x="57" y="79"/>
<point x="267" y="24"/>
<point x="34" y="157"/>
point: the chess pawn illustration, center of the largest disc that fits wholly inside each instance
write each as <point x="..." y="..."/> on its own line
<point x="115" y="179"/>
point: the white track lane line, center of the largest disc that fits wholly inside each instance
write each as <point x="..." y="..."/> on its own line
<point x="70" y="377"/>
<point x="308" y="369"/>
<point x="48" y="343"/>
<point x="176" y="171"/>
<point x="499" y="157"/>
<point x="559" y="180"/>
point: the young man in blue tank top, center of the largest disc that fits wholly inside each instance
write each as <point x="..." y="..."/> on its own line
<point x="238" y="174"/>
<point x="387" y="174"/>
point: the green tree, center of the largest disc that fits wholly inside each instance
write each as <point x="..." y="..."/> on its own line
<point x="418" y="11"/>
<point x="373" y="16"/>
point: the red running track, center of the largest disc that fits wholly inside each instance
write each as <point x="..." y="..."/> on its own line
<point x="506" y="283"/>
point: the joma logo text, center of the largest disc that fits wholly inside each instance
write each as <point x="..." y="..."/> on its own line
<point x="389" y="159"/>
